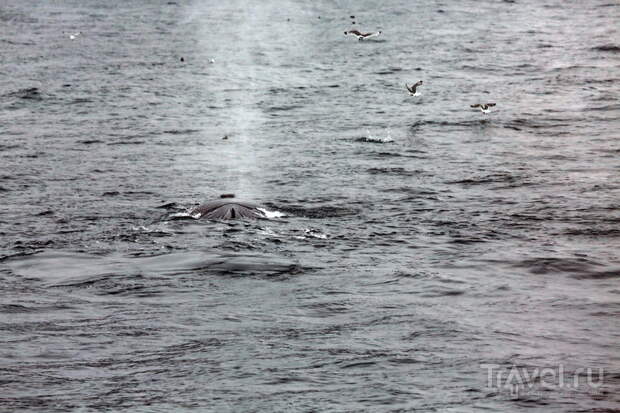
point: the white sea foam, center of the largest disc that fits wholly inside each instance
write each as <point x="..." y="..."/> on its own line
<point x="272" y="214"/>
<point x="375" y="138"/>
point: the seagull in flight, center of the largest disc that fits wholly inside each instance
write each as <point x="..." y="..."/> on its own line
<point x="412" y="90"/>
<point x="484" y="107"/>
<point x="362" y="36"/>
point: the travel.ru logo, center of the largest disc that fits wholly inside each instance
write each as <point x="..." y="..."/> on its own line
<point x="518" y="380"/>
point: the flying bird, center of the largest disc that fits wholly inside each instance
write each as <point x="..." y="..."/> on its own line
<point x="362" y="36"/>
<point x="484" y="107"/>
<point x="412" y="90"/>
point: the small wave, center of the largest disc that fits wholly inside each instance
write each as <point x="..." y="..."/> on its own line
<point x="32" y="93"/>
<point x="612" y="48"/>
<point x="394" y="171"/>
<point x="375" y="139"/>
<point x="389" y="71"/>
<point x="423" y="123"/>
<point x="283" y="108"/>
<point x="404" y="154"/>
<point x="547" y="265"/>
<point x="181" y="131"/>
<point x="14" y="43"/>
<point x="312" y="233"/>
<point x="78" y="101"/>
<point x="412" y="191"/>
<point x="594" y="232"/>
<point x="126" y="143"/>
<point x="7" y="147"/>
<point x="607" y="108"/>
<point x="19" y="308"/>
<point x="45" y="212"/>
<point x="196" y="345"/>
<point x="569" y="68"/>
<point x="598" y="275"/>
<point x="15" y="308"/>
<point x="169" y="205"/>
<point x="486" y="179"/>
<point x="388" y="154"/>
<point x="120" y="275"/>
<point x="539" y="123"/>
<point x="318" y="212"/>
<point x="359" y="364"/>
<point x="608" y="81"/>
<point x="441" y="292"/>
<point x="151" y="231"/>
<point x="15" y="17"/>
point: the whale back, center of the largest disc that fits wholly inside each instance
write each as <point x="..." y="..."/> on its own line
<point x="225" y="209"/>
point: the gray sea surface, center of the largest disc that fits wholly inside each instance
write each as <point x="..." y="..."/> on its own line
<point x="420" y="255"/>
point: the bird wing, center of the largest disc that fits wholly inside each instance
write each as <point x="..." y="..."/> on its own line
<point x="418" y="83"/>
<point x="355" y="32"/>
<point x="408" y="88"/>
<point x="477" y="105"/>
<point x="368" y="35"/>
<point x="490" y="104"/>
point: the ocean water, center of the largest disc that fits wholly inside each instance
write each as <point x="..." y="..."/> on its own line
<point x="428" y="257"/>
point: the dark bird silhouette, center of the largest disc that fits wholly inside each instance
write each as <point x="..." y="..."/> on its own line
<point x="413" y="89"/>
<point x="362" y="36"/>
<point x="484" y="107"/>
